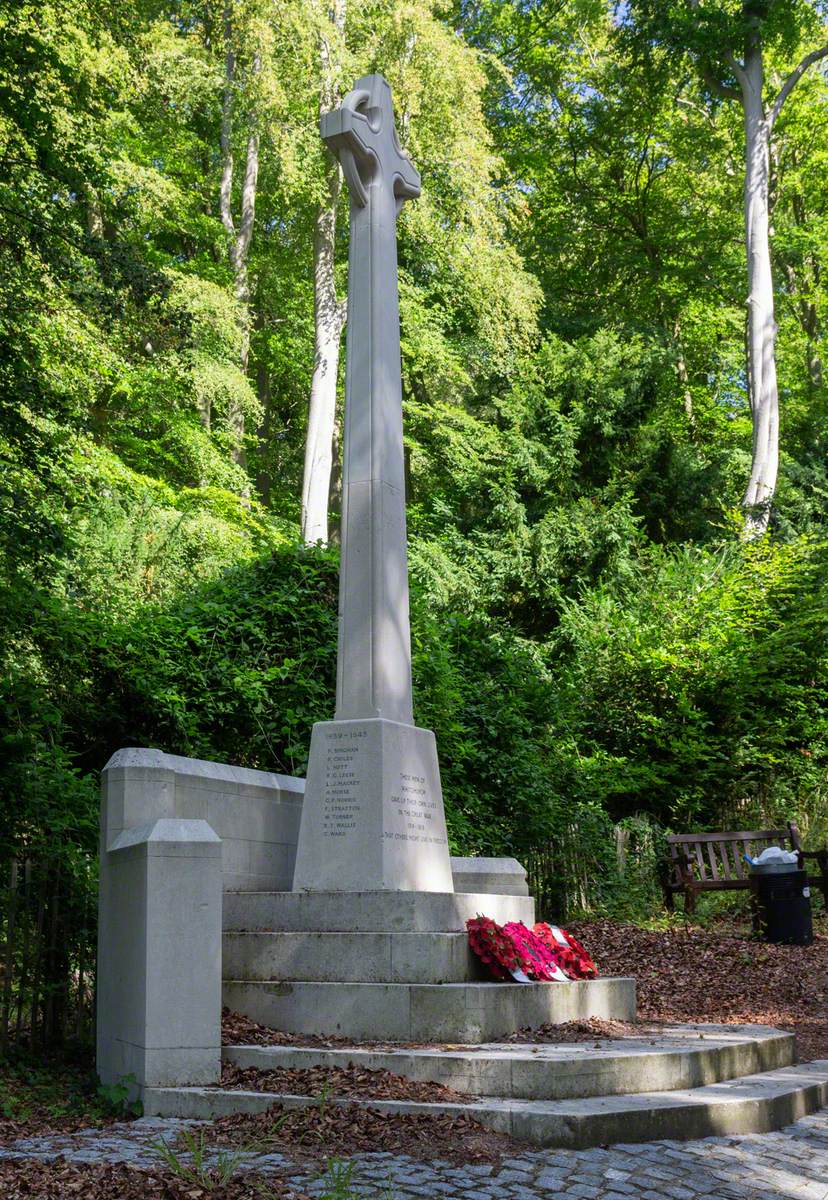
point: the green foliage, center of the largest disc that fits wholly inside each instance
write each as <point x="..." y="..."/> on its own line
<point x="194" y="1163"/>
<point x="699" y="692"/>
<point x="37" y="1087"/>
<point x="117" y="1098"/>
<point x="337" y="1180"/>
<point x="338" y="1183"/>
<point x="593" y="648"/>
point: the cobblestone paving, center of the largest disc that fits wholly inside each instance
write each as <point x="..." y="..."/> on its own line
<point x="789" y="1165"/>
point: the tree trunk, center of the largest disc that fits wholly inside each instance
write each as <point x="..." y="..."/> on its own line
<point x="802" y="285"/>
<point x="94" y="213"/>
<point x="329" y="321"/>
<point x="240" y="237"/>
<point x="335" y="492"/>
<point x="760" y="325"/>
<point x="263" y="479"/>
<point x="761" y="322"/>
<point x="238" y="258"/>
<point x="226" y="135"/>
<point x="680" y="363"/>
<point x="806" y="314"/>
<point x="814" y="364"/>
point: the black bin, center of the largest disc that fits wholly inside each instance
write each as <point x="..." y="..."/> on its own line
<point x="782" y="908"/>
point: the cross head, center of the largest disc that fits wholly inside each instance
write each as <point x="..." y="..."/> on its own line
<point x="362" y="135"/>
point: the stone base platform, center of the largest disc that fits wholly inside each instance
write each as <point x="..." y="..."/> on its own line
<point x="661" y="1058"/>
<point x="753" y="1103"/>
<point x="351" y="957"/>
<point x="395" y="967"/>
<point x="389" y="965"/>
<point x="467" y="1013"/>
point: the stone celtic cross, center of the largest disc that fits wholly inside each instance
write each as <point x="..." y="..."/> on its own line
<point x="372" y="817"/>
<point x="374" y="661"/>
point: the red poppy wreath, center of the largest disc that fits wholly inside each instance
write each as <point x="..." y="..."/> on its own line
<point x="566" y="951"/>
<point x="511" y="951"/>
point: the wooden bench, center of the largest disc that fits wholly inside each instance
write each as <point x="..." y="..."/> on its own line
<point x="715" y="862"/>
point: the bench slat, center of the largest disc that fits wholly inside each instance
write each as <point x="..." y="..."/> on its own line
<point x="717" y="885"/>
<point x="738" y="863"/>
<point x="712" y="885"/>
<point x="700" y="861"/>
<point x="711" y="854"/>
<point x="758" y="835"/>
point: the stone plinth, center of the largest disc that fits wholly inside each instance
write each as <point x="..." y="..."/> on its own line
<point x="392" y="965"/>
<point x="159" y="955"/>
<point x="373" y="815"/>
<point x="500" y="876"/>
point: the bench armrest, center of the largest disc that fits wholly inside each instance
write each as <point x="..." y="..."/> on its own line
<point x="684" y="866"/>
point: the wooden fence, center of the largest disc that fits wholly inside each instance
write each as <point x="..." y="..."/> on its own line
<point x="47" y="930"/>
<point x="595" y="866"/>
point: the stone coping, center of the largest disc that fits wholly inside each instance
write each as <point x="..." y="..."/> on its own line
<point x="145" y="762"/>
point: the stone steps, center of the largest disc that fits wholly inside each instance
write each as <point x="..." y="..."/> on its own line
<point x="350" y="957"/>
<point x="666" y="1059"/>
<point x="389" y="965"/>
<point x="468" y="1013"/>
<point x="369" y="912"/>
<point x="753" y="1104"/>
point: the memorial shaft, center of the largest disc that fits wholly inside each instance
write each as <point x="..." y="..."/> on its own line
<point x="373" y="816"/>
<point x="374" y="655"/>
<point x="374" y="658"/>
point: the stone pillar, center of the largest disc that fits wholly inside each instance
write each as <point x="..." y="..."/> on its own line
<point x="374" y="652"/>
<point x="373" y="814"/>
<point x="159" y="955"/>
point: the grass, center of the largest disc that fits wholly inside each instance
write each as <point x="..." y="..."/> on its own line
<point x="197" y="1164"/>
<point x="39" y="1090"/>
<point x="338" y="1182"/>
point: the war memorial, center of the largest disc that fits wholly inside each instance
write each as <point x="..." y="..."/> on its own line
<point x="331" y="906"/>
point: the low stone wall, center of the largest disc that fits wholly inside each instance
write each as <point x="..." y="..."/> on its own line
<point x="495" y="876"/>
<point x="255" y="813"/>
<point x="176" y="834"/>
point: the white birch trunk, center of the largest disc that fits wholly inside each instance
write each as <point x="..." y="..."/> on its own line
<point x="239" y="251"/>
<point x="240" y="237"/>
<point x="761" y="321"/>
<point x="329" y="321"/>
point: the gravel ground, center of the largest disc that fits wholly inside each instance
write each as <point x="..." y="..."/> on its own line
<point x="792" y="1163"/>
